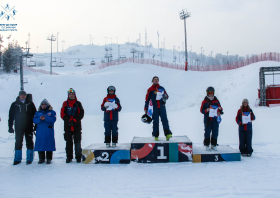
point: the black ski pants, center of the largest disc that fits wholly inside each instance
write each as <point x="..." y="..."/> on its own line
<point x="68" y="137"/>
<point x="28" y="139"/>
<point x="43" y="154"/>
<point x="245" y="142"/>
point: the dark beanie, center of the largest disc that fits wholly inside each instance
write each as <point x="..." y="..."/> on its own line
<point x="22" y="93"/>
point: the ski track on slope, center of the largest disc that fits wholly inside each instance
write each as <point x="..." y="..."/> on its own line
<point x="257" y="176"/>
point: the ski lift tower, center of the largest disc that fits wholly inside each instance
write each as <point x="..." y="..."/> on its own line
<point x="133" y="51"/>
<point x="108" y="56"/>
<point x="52" y="38"/>
<point x="26" y="55"/>
<point x="183" y="16"/>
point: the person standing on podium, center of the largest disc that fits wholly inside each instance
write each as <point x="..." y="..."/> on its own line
<point x="111" y="107"/>
<point x="211" y="108"/>
<point x="157" y="94"/>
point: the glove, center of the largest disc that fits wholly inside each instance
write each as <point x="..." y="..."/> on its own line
<point x="11" y="130"/>
<point x="72" y="123"/>
<point x="164" y="97"/>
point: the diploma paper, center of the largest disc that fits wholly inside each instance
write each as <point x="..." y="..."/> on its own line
<point x="159" y="95"/>
<point x="213" y="111"/>
<point x="246" y="117"/>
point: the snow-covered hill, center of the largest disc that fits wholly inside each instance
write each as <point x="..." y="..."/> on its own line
<point x="257" y="176"/>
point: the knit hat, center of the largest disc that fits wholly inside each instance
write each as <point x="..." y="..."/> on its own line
<point x="45" y="101"/>
<point x="245" y="100"/>
<point x="22" y="93"/>
<point x="71" y="90"/>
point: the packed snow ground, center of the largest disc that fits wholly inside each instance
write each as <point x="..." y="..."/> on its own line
<point x="257" y="176"/>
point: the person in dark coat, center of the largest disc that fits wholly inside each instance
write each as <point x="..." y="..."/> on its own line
<point x="21" y="114"/>
<point x="111" y="107"/>
<point x="245" y="129"/>
<point x="72" y="112"/>
<point x="45" y="118"/>
<point x="159" y="109"/>
<point x="210" y="123"/>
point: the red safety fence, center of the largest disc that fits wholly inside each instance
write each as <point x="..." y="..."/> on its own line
<point x="39" y="70"/>
<point x="270" y="56"/>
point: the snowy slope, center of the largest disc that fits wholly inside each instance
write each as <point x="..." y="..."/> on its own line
<point x="257" y="176"/>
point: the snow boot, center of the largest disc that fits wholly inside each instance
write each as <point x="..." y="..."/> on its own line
<point x="41" y="161"/>
<point x="18" y="157"/>
<point x="156" y="138"/>
<point x="49" y="161"/>
<point x="214" y="147"/>
<point x="249" y="155"/>
<point x="29" y="156"/>
<point x="107" y="145"/>
<point x="114" y="144"/>
<point x="68" y="160"/>
<point x="168" y="137"/>
<point x="207" y="147"/>
<point x="244" y="155"/>
<point x="115" y="139"/>
<point x="78" y="160"/>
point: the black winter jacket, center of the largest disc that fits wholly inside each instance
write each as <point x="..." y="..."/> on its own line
<point x="22" y="114"/>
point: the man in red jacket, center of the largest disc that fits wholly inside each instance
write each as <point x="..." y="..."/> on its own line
<point x="72" y="112"/>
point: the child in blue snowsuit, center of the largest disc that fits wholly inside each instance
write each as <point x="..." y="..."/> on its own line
<point x="111" y="107"/>
<point x="159" y="109"/>
<point x="210" y="123"/>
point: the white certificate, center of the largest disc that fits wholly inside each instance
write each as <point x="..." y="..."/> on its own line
<point x="159" y="95"/>
<point x="213" y="112"/>
<point x="246" y="117"/>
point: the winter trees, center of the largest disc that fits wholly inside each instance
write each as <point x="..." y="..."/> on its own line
<point x="11" y="57"/>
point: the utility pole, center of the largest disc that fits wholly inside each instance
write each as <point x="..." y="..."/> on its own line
<point x="179" y="53"/>
<point x="28" y="40"/>
<point x="52" y="38"/>
<point x="57" y="42"/>
<point x="227" y="58"/>
<point x="63" y="43"/>
<point x="183" y="16"/>
<point x="201" y="56"/>
<point x="158" y="39"/>
<point x="163" y="46"/>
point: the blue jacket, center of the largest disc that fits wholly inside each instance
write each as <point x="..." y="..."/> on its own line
<point x="152" y="95"/>
<point x="112" y="114"/>
<point x="45" y="130"/>
<point x="206" y="104"/>
<point x="238" y="119"/>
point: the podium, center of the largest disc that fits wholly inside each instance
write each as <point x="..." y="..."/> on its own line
<point x="147" y="150"/>
<point x="99" y="154"/>
<point x="223" y="153"/>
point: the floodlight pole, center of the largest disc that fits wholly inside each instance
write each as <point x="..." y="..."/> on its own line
<point x="183" y="16"/>
<point x="57" y="42"/>
<point x="51" y="39"/>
